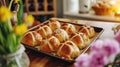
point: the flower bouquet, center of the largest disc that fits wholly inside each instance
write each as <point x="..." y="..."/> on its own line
<point x="11" y="32"/>
<point x="103" y="53"/>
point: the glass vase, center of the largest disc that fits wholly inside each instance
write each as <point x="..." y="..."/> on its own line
<point x="84" y="6"/>
<point x="17" y="59"/>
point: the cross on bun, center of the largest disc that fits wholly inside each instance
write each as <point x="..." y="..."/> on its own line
<point x="53" y="24"/>
<point x="91" y="30"/>
<point x="85" y="38"/>
<point x="88" y="30"/>
<point x="69" y="28"/>
<point x="31" y="38"/>
<point x="76" y="49"/>
<point x="50" y="45"/>
<point x="44" y="31"/>
<point x="79" y="41"/>
<point x="68" y="50"/>
<point x="61" y="35"/>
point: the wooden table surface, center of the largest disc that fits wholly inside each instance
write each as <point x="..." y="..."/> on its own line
<point x="41" y="60"/>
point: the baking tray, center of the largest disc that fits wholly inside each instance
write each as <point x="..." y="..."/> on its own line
<point x="98" y="31"/>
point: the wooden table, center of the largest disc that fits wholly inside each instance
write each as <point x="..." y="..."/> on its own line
<point x="41" y="60"/>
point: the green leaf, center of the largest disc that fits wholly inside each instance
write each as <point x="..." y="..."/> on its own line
<point x="12" y="42"/>
<point x="116" y="65"/>
<point x="1" y="38"/>
<point x="117" y="57"/>
<point x="18" y="40"/>
<point x="2" y="50"/>
<point x="20" y="12"/>
<point x="117" y="61"/>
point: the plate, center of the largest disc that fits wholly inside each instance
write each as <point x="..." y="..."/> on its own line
<point x="98" y="32"/>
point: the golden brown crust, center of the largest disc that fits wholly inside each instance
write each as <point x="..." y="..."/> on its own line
<point x="61" y="35"/>
<point x="69" y="28"/>
<point x="28" y="39"/>
<point x="50" y="45"/>
<point x="37" y="36"/>
<point x="44" y="31"/>
<point x="65" y="51"/>
<point x="54" y="25"/>
<point x="47" y="30"/>
<point x="76" y="49"/>
<point x="84" y="30"/>
<point x="68" y="50"/>
<point x="88" y="30"/>
<point x="32" y="38"/>
<point x="45" y="46"/>
<point x="103" y="8"/>
<point x="41" y="31"/>
<point x="85" y="38"/>
<point x="78" y="40"/>
<point x="92" y="31"/>
<point x="54" y="42"/>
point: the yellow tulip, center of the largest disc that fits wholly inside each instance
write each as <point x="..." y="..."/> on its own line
<point x="29" y="20"/>
<point x="20" y="29"/>
<point x="5" y="14"/>
<point x="16" y="1"/>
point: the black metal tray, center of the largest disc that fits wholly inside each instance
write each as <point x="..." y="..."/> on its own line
<point x="98" y="31"/>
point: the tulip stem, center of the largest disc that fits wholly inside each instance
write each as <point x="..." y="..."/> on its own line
<point x="10" y="4"/>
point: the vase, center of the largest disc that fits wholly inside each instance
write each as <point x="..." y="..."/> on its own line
<point x="16" y="59"/>
<point x="72" y="5"/>
<point x="84" y="6"/>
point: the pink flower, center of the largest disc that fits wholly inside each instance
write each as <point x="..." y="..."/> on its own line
<point x="107" y="46"/>
<point x="111" y="47"/>
<point x="82" y="61"/>
<point x="117" y="36"/>
<point x="97" y="46"/>
<point x="102" y="53"/>
<point x="98" y="59"/>
<point x="94" y="59"/>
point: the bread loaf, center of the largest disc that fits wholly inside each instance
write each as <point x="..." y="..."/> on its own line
<point x="85" y="38"/>
<point x="69" y="28"/>
<point x="54" y="24"/>
<point x="49" y="45"/>
<point x="61" y="35"/>
<point x="78" y="40"/>
<point x="76" y="49"/>
<point x="44" y="31"/>
<point x="68" y="50"/>
<point x="88" y="30"/>
<point x="31" y="38"/>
